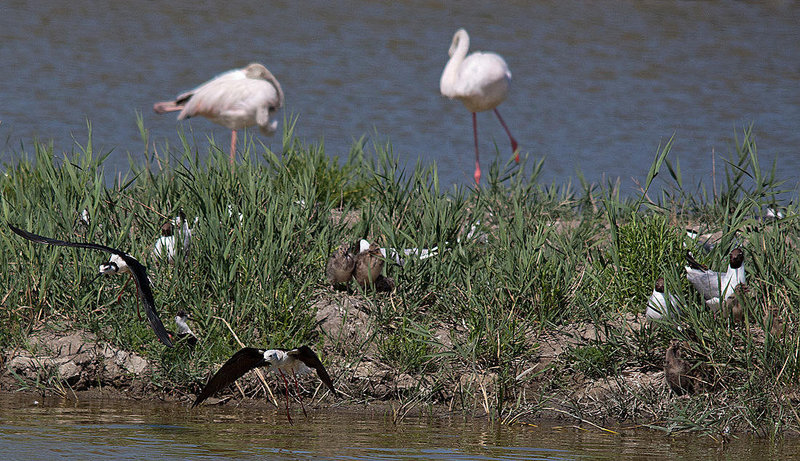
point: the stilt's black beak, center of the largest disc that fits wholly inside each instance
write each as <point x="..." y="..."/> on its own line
<point x="94" y="279"/>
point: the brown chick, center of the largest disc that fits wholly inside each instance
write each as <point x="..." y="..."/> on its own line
<point x="369" y="264"/>
<point x="733" y="307"/>
<point x="340" y="266"/>
<point x="384" y="284"/>
<point x="676" y="370"/>
<point x="777" y="327"/>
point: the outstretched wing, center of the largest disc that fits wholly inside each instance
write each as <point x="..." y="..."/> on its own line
<point x="146" y="294"/>
<point x="49" y="241"/>
<point x="236" y="366"/>
<point x="309" y="357"/>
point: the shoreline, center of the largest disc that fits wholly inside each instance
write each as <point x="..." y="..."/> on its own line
<point x="533" y="305"/>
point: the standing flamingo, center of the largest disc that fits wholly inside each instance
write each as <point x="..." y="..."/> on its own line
<point x="480" y="81"/>
<point x="237" y="99"/>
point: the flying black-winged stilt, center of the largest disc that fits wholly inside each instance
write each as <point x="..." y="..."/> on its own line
<point x="119" y="263"/>
<point x="295" y="361"/>
<point x="340" y="266"/>
<point x="657" y="305"/>
<point x="716" y="287"/>
<point x="184" y="333"/>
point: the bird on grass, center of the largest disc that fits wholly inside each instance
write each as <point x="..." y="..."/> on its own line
<point x="119" y="263"/>
<point x="368" y="265"/>
<point x="676" y="370"/>
<point x="657" y="305"/>
<point x="184" y="333"/>
<point x="340" y="266"/>
<point x="280" y="361"/>
<point x="236" y="99"/>
<point x="716" y="286"/>
<point x="171" y="231"/>
<point x="480" y="81"/>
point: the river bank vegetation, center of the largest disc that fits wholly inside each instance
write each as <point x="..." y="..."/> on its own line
<point x="532" y="307"/>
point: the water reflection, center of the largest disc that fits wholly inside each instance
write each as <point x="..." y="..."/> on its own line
<point x="136" y="430"/>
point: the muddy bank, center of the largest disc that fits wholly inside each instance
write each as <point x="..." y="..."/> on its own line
<point x="75" y="364"/>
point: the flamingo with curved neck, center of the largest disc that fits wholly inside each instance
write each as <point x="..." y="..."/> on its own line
<point x="237" y="99"/>
<point x="480" y="81"/>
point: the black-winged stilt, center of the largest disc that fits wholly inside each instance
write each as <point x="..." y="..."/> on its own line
<point x="295" y="361"/>
<point x="184" y="333"/>
<point x="119" y="263"/>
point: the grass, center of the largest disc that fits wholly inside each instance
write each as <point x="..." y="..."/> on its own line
<point x="521" y="266"/>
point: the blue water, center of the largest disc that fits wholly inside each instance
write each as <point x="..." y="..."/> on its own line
<point x="597" y="86"/>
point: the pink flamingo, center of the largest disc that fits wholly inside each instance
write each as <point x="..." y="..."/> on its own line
<point x="480" y="81"/>
<point x="237" y="99"/>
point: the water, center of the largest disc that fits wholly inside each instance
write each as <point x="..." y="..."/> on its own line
<point x="597" y="85"/>
<point x="107" y="429"/>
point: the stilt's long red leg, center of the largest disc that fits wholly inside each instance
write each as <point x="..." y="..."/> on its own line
<point x="508" y="132"/>
<point x="286" y="383"/>
<point x="299" y="395"/>
<point x="138" y="298"/>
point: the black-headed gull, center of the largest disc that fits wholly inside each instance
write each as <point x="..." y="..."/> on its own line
<point x="716" y="286"/>
<point x="657" y="305"/>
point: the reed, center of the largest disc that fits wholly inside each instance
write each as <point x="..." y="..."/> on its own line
<point x="521" y="267"/>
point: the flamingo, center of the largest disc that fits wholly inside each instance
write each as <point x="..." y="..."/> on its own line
<point x="480" y="81"/>
<point x="236" y="99"/>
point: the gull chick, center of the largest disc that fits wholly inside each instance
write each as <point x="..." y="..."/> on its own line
<point x="676" y="370"/>
<point x="340" y="266"/>
<point x="369" y="264"/>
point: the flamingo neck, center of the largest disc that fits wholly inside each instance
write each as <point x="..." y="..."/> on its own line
<point x="458" y="52"/>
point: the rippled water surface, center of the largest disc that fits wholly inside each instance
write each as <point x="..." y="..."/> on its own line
<point x="56" y="429"/>
<point x="597" y="85"/>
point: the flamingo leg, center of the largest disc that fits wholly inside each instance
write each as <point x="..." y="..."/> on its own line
<point x="286" y="383"/>
<point x="299" y="395"/>
<point x="233" y="146"/>
<point x="475" y="134"/>
<point x="508" y="132"/>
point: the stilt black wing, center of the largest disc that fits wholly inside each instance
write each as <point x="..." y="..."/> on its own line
<point x="146" y="294"/>
<point x="309" y="357"/>
<point x="236" y="366"/>
<point x="49" y="241"/>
